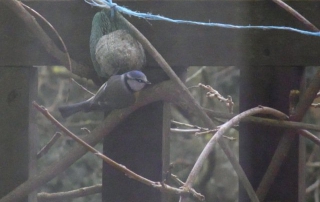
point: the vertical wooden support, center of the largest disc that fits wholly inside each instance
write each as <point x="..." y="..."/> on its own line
<point x="136" y="143"/>
<point x="17" y="139"/>
<point x="166" y="125"/>
<point x="268" y="86"/>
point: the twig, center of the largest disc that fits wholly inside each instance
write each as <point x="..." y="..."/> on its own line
<point x="55" y="31"/>
<point x="212" y="93"/>
<point x="189" y="125"/>
<point x="185" y="131"/>
<point x="51" y="142"/>
<point x="177" y="180"/>
<point x="296" y="15"/>
<point x="82" y="87"/>
<point x="86" y="130"/>
<point x="213" y="131"/>
<point x="196" y="74"/>
<point x="313" y="164"/>
<point x="315" y="105"/>
<point x="85" y="191"/>
<point x="267" y="121"/>
<point x="310" y="136"/>
<point x="312" y="187"/>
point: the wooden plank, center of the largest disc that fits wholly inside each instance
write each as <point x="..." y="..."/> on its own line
<point x="17" y="143"/>
<point x="179" y="44"/>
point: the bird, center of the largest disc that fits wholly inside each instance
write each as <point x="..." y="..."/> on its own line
<point x="117" y="93"/>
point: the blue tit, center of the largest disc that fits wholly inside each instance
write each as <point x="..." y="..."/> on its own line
<point x="116" y="93"/>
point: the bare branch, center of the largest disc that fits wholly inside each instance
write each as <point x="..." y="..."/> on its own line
<point x="212" y="93"/>
<point x="47" y="147"/>
<point x="55" y="31"/>
<point x="82" y="87"/>
<point x="296" y="15"/>
<point x="85" y="191"/>
<point x="266" y="121"/>
<point x="47" y="42"/>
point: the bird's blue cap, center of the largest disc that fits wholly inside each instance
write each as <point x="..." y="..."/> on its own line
<point x="136" y="74"/>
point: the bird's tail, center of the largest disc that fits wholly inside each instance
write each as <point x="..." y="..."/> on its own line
<point x="69" y="110"/>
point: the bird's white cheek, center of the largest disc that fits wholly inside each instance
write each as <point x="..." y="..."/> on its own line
<point x="135" y="86"/>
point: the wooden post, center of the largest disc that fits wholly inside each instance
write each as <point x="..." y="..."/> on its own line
<point x="18" y="142"/>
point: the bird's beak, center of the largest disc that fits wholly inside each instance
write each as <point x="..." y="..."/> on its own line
<point x="147" y="82"/>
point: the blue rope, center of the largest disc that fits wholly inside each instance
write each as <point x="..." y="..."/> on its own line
<point x="111" y="5"/>
<point x="149" y="16"/>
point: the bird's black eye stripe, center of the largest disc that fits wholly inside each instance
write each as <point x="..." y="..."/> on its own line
<point x="140" y="80"/>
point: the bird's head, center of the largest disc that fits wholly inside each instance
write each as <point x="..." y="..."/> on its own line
<point x="136" y="80"/>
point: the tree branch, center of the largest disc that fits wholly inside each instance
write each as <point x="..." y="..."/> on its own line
<point x="47" y="42"/>
<point x="296" y="15"/>
<point x="85" y="191"/>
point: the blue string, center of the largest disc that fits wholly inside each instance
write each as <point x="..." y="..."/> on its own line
<point x="149" y="16"/>
<point x="112" y="7"/>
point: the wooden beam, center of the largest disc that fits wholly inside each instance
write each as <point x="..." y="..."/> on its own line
<point x="179" y="44"/>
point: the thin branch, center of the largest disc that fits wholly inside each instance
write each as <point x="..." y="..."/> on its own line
<point x="189" y="125"/>
<point x="47" y="147"/>
<point x="310" y="136"/>
<point x="185" y="131"/>
<point x="47" y="42"/>
<point x="82" y="87"/>
<point x="312" y="187"/>
<point x="279" y="123"/>
<point x="68" y="195"/>
<point x="267" y="121"/>
<point x="55" y="31"/>
<point x="196" y="74"/>
<point x="212" y="93"/>
<point x="315" y="105"/>
<point x="296" y="15"/>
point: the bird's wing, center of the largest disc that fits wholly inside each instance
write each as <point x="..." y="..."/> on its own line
<point x="99" y="96"/>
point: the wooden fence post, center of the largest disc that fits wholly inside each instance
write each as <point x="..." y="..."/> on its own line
<point x="18" y="139"/>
